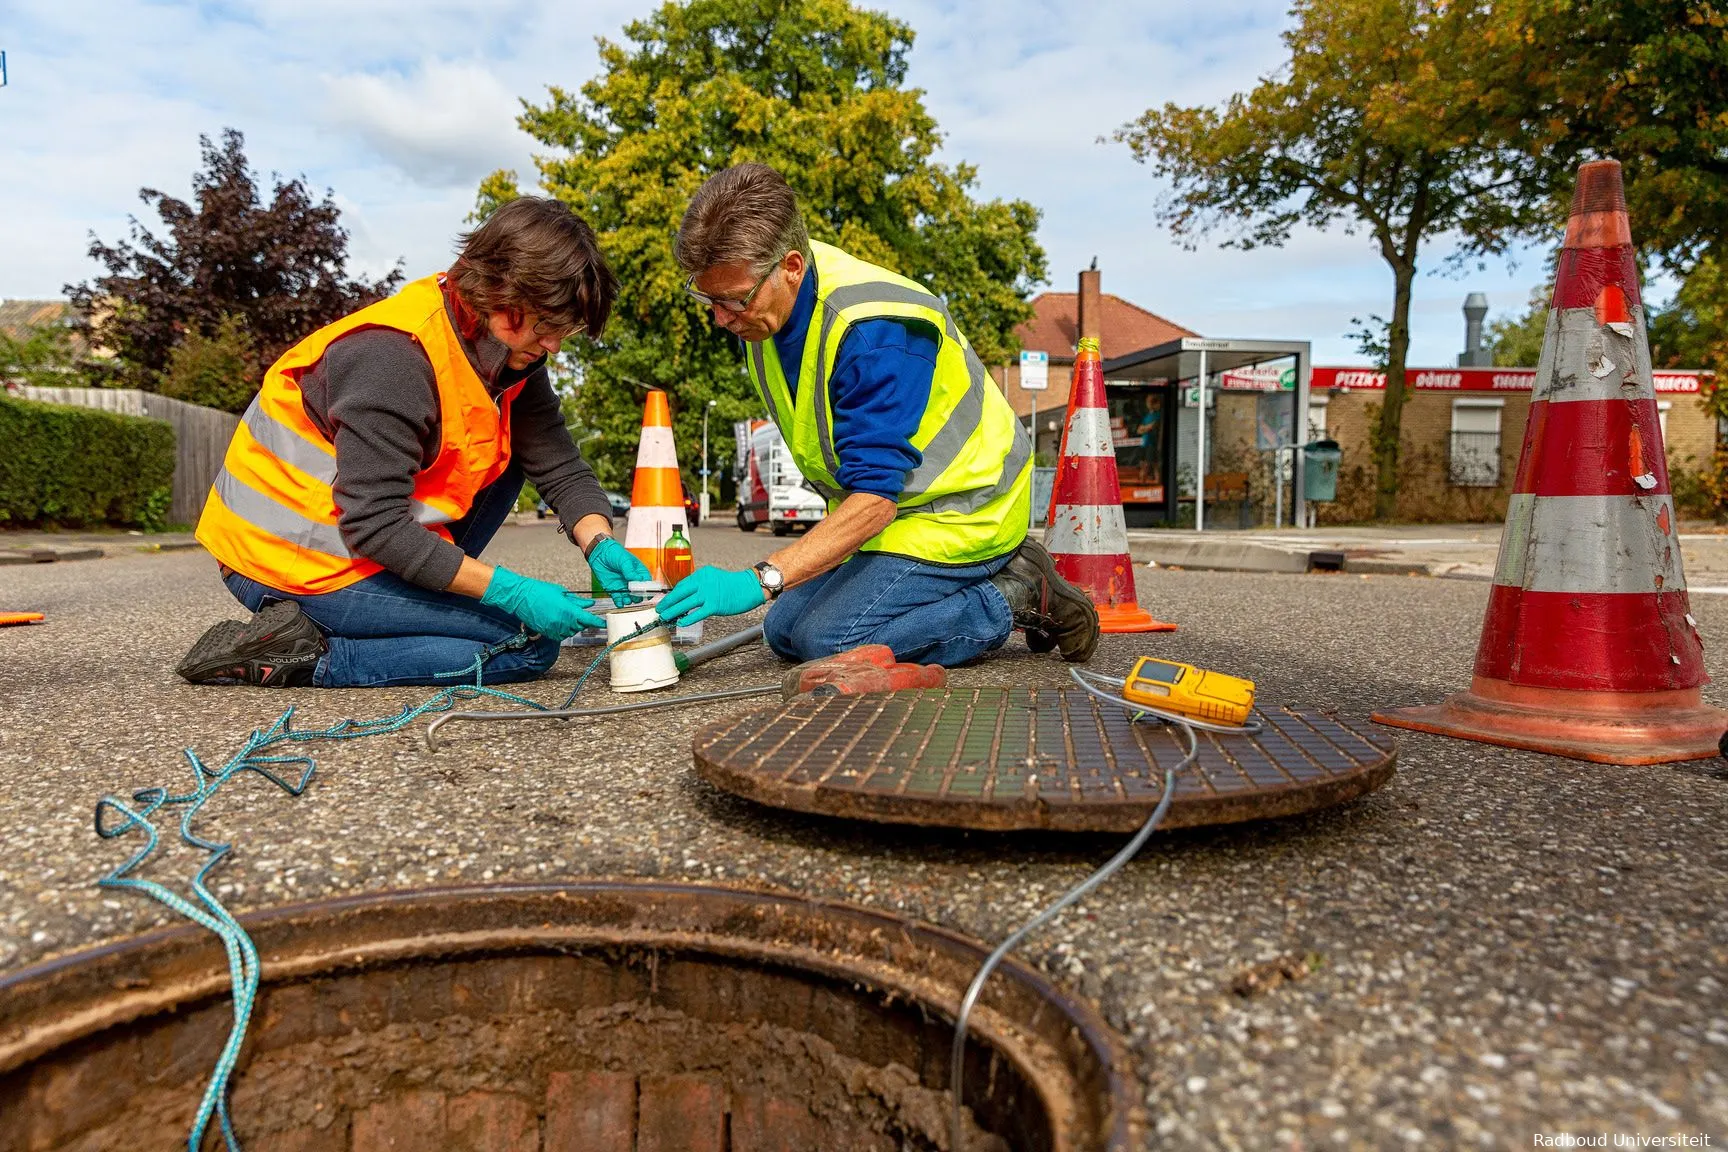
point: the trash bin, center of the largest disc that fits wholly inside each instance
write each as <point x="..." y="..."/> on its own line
<point x="1320" y="470"/>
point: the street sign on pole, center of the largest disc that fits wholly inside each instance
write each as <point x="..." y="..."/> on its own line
<point x="1035" y="371"/>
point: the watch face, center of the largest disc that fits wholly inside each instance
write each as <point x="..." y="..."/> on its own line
<point x="771" y="576"/>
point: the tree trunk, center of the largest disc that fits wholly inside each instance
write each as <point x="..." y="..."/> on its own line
<point x="1392" y="409"/>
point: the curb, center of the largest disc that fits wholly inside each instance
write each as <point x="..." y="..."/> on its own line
<point x="1241" y="556"/>
<point x="1222" y="556"/>
<point x="1389" y="567"/>
<point x="47" y="555"/>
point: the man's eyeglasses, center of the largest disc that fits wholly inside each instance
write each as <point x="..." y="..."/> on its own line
<point x="726" y="303"/>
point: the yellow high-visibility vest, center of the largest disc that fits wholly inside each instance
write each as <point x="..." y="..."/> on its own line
<point x="969" y="498"/>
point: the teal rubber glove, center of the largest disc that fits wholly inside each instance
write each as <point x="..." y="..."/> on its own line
<point x="547" y="608"/>
<point x="711" y="591"/>
<point x="616" y="566"/>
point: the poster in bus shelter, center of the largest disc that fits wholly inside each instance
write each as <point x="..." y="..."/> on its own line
<point x="1274" y="421"/>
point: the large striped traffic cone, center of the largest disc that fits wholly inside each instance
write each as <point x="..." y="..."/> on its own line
<point x="656" y="494"/>
<point x="1588" y="649"/>
<point x="1087" y="536"/>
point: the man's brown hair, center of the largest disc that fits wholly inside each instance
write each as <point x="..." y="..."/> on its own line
<point x="534" y="255"/>
<point x="744" y="215"/>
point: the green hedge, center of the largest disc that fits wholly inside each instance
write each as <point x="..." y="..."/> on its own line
<point x="81" y="466"/>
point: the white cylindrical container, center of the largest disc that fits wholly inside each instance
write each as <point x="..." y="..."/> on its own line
<point x="642" y="664"/>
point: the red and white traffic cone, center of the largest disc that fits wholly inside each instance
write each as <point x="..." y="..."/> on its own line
<point x="1588" y="647"/>
<point x="1087" y="536"/>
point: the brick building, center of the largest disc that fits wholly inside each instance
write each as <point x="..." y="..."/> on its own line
<point x="1058" y="322"/>
<point x="1462" y="429"/>
<point x="1462" y="432"/>
<point x="1460" y="437"/>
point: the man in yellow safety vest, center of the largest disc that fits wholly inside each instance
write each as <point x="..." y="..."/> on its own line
<point x="891" y="416"/>
<point x="384" y="450"/>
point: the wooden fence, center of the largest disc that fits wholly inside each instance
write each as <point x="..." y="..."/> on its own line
<point x="201" y="436"/>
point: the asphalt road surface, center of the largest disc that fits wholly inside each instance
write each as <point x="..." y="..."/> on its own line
<point x="1494" y="947"/>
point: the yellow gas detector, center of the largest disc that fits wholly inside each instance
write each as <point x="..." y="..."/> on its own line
<point x="1189" y="691"/>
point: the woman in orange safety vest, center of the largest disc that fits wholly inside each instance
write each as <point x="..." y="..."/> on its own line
<point x="382" y="453"/>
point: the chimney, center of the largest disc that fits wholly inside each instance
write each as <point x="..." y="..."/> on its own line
<point x="1475" y="311"/>
<point x="1091" y="304"/>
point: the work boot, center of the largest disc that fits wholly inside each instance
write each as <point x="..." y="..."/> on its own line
<point x="1052" y="612"/>
<point x="279" y="648"/>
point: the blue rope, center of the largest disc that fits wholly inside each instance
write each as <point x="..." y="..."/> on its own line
<point x="209" y="913"/>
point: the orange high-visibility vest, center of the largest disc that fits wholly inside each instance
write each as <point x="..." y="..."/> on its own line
<point x="272" y="515"/>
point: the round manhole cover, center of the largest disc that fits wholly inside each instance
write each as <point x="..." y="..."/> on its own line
<point x="1010" y="758"/>
<point x="602" y="1016"/>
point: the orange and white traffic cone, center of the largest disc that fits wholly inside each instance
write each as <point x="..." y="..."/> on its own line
<point x="1087" y="535"/>
<point x="1588" y="647"/>
<point x="656" y="493"/>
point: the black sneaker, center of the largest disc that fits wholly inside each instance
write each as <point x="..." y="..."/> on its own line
<point x="279" y="648"/>
<point x="1052" y="612"/>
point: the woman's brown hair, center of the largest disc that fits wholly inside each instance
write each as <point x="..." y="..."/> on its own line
<point x="534" y="255"/>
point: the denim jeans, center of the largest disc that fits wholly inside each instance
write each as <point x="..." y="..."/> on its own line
<point x="925" y="612"/>
<point x="385" y="631"/>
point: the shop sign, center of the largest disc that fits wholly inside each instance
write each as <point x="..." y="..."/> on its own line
<point x="1258" y="378"/>
<point x="1476" y="379"/>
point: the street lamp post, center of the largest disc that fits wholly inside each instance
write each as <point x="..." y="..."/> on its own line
<point x="705" y="413"/>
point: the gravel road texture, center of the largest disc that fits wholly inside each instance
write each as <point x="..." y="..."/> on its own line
<point x="1496" y="946"/>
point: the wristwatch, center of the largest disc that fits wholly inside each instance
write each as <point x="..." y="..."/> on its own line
<point x="599" y="537"/>
<point x="773" y="583"/>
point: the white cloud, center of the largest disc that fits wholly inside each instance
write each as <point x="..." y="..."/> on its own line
<point x="444" y="124"/>
<point x="400" y="106"/>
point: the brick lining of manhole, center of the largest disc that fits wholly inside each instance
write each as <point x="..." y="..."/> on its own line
<point x="1024" y="758"/>
<point x="592" y="1016"/>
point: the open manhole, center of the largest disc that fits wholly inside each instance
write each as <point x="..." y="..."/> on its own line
<point x="599" y="1017"/>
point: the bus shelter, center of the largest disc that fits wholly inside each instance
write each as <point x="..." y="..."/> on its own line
<point x="1192" y="371"/>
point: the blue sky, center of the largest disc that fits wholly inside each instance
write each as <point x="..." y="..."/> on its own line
<point x="401" y="106"/>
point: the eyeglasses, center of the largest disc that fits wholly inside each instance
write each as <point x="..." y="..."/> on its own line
<point x="729" y="305"/>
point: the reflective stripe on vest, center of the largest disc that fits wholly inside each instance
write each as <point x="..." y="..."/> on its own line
<point x="287" y="445"/>
<point x="272" y="512"/>
<point x="848" y="291"/>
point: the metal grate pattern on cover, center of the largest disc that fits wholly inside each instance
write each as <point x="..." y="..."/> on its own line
<point x="1009" y="758"/>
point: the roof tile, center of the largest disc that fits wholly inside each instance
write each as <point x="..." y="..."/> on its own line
<point x="1125" y="327"/>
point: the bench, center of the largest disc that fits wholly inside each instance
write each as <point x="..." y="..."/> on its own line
<point x="1222" y="486"/>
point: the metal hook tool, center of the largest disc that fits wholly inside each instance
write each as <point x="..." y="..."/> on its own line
<point x="686" y="661"/>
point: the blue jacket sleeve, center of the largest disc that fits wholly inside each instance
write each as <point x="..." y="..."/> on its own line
<point x="879" y="390"/>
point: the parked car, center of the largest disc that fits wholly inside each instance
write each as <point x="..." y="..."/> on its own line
<point x="620" y="503"/>
<point x="542" y="509"/>
<point x="692" y="506"/>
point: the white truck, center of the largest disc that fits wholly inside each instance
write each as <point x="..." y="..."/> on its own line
<point x="771" y="490"/>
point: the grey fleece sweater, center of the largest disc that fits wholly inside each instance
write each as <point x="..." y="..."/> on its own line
<point x="374" y="396"/>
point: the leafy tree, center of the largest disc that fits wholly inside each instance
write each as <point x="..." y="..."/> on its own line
<point x="274" y="272"/>
<point x="1646" y="82"/>
<point x="1516" y="341"/>
<point x="1643" y="81"/>
<point x="43" y="356"/>
<point x="1378" y="122"/>
<point x="1693" y="331"/>
<point x="220" y="370"/>
<point x="815" y="88"/>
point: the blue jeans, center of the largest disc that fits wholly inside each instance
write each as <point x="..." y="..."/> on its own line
<point x="925" y="612"/>
<point x="384" y="631"/>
